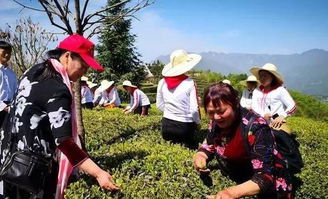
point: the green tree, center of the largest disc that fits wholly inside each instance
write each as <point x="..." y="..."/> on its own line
<point x="156" y="68"/>
<point x="236" y="79"/>
<point x="116" y="51"/>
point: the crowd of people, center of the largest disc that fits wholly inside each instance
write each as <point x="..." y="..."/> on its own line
<point x="39" y="113"/>
<point x="106" y="95"/>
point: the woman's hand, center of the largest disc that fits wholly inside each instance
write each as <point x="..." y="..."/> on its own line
<point x="127" y="112"/>
<point x="267" y="116"/>
<point x="105" y="104"/>
<point x="105" y="181"/>
<point x="277" y="122"/>
<point x="224" y="194"/>
<point x="200" y="162"/>
<point x="210" y="197"/>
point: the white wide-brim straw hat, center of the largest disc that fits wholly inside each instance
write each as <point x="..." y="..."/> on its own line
<point x="91" y="84"/>
<point x="180" y="63"/>
<point x="250" y="78"/>
<point x="271" y="68"/>
<point x="84" y="78"/>
<point x="129" y="84"/>
<point x="226" y="81"/>
<point x="105" y="84"/>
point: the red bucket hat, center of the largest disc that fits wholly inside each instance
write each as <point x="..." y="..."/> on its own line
<point x="83" y="47"/>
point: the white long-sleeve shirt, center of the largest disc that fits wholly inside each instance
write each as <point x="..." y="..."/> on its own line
<point x="277" y="101"/>
<point x="86" y="95"/>
<point x="246" y="99"/>
<point x="8" y="85"/>
<point x="179" y="104"/>
<point x="111" y="98"/>
<point x="138" y="98"/>
<point x="97" y="96"/>
<point x="104" y="97"/>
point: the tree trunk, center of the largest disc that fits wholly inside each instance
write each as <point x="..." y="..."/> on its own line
<point x="78" y="109"/>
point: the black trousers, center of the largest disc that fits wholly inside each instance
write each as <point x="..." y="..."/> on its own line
<point x="142" y="110"/>
<point x="2" y="117"/>
<point x="88" y="105"/>
<point x="3" y="114"/>
<point x="179" y="132"/>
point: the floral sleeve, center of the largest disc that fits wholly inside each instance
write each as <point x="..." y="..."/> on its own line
<point x="58" y="108"/>
<point x="208" y="145"/>
<point x="261" y="143"/>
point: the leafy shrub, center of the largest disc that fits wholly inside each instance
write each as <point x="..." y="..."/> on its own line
<point x="146" y="84"/>
<point x="146" y="166"/>
<point x="152" y="97"/>
<point x="308" y="106"/>
<point x="314" y="148"/>
<point x="124" y="96"/>
<point x="149" y="89"/>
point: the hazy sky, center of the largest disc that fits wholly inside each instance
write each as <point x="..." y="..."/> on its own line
<point x="245" y="26"/>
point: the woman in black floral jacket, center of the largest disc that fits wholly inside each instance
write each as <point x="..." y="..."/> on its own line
<point x="42" y="118"/>
<point x="254" y="167"/>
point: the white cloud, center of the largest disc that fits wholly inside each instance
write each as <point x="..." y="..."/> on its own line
<point x="156" y="37"/>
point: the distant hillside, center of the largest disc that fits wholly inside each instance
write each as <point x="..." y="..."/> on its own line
<point x="306" y="72"/>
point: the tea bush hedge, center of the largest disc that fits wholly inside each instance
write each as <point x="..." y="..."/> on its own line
<point x="146" y="166"/>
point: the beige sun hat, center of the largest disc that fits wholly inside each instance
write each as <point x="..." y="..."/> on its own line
<point x="84" y="78"/>
<point x="226" y="81"/>
<point x="271" y="68"/>
<point x="104" y="84"/>
<point x="129" y="84"/>
<point x="250" y="78"/>
<point x="91" y="84"/>
<point x="180" y="63"/>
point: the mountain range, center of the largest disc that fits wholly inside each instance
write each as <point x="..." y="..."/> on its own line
<point x="306" y="72"/>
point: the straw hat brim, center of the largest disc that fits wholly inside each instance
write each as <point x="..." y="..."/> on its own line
<point x="170" y="71"/>
<point x="255" y="71"/>
<point x="244" y="82"/>
<point x="105" y="85"/>
<point x="130" y="85"/>
<point x="84" y="78"/>
<point x="91" y="84"/>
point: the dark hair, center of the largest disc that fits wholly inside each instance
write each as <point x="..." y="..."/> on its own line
<point x="5" y="45"/>
<point x="218" y="92"/>
<point x="83" y="82"/>
<point x="252" y="83"/>
<point x="48" y="71"/>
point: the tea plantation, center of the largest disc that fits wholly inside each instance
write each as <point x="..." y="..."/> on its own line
<point x="146" y="166"/>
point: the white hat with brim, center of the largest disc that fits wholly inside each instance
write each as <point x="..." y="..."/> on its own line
<point x="91" y="84"/>
<point x="250" y="78"/>
<point x="128" y="83"/>
<point x="226" y="81"/>
<point x="180" y="63"/>
<point x="84" y="78"/>
<point x="269" y="68"/>
<point x="105" y="84"/>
